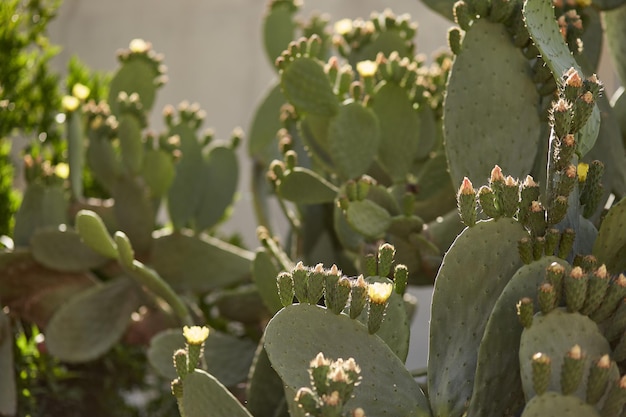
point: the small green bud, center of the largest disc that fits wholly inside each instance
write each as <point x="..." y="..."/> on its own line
<point x="454" y="40"/>
<point x="315" y="289"/>
<point x="552" y="241"/>
<point x="555" y="274"/>
<point x="285" y="288"/>
<point x="525" y="311"/>
<point x="596" y="290"/>
<point x="561" y="117"/>
<point x="598" y="380"/>
<point x="571" y="85"/>
<point x="541" y="370"/>
<point x="386" y="252"/>
<point x="466" y="202"/>
<point x="400" y="278"/>
<point x="564" y="149"/>
<point x="539" y="244"/>
<point x="583" y="107"/>
<point x="332" y="70"/>
<point x="487" y="201"/>
<point x="291" y="159"/>
<point x="363" y="186"/>
<point x="181" y="363"/>
<point x="536" y="219"/>
<point x="94" y="233"/>
<point x="462" y="15"/>
<point x="300" y="282"/>
<point x="616" y="399"/>
<point x="617" y="323"/>
<point x="525" y="249"/>
<point x="567" y="243"/>
<point x="614" y="296"/>
<point x="588" y="263"/>
<point x="510" y="197"/>
<point x="546" y="297"/>
<point x="371" y="265"/>
<point x="558" y="210"/>
<point x="567" y="181"/>
<point x="319" y="368"/>
<point x="308" y="401"/>
<point x="529" y="192"/>
<point x="619" y="352"/>
<point x="346" y="76"/>
<point x="351" y="192"/>
<point x="358" y="297"/>
<point x="572" y="370"/>
<point x="575" y="289"/>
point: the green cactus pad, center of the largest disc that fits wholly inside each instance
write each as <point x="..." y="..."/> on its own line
<point x="262" y="137"/>
<point x="368" y="218"/>
<point x="134" y="76"/>
<point x="278" y="29"/>
<point x="104" y="162"/>
<point x="497" y="385"/>
<point x="42" y="206"/>
<point x="242" y="304"/>
<point x="353" y="136"/>
<point x="307" y="87"/>
<point x="94" y="233"/>
<point x="552" y="404"/>
<point x="8" y="388"/>
<point x="218" y="183"/>
<point x="544" y="31"/>
<point x="400" y="129"/>
<point x="554" y="335"/>
<point x="386" y="42"/>
<point x="264" y="273"/>
<point x="134" y="213"/>
<point x="64" y="251"/>
<point x="184" y="195"/>
<point x="185" y="262"/>
<point x="346" y="234"/>
<point x="265" y="392"/>
<point x="463" y="298"/>
<point x="131" y="144"/>
<point x="227" y="358"/>
<point x="443" y="7"/>
<point x="87" y="326"/>
<point x="202" y="392"/>
<point x="303" y="186"/>
<point x="480" y="114"/>
<point x="610" y="245"/>
<point x="299" y="332"/>
<point x="436" y="194"/>
<point x="615" y="24"/>
<point x="157" y="171"/>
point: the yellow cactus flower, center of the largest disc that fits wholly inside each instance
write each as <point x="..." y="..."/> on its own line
<point x="379" y="292"/>
<point x="70" y="103"/>
<point x="195" y="335"/>
<point x="139" y="46"/>
<point x="80" y="91"/>
<point x="62" y="170"/>
<point x="343" y="26"/>
<point x="366" y="68"/>
<point x="582" y="170"/>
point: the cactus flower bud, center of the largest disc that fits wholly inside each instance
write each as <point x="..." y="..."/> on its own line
<point x="343" y="26"/>
<point x="454" y="40"/>
<point x="315" y="284"/>
<point x="614" y="296"/>
<point x="70" y="103"/>
<point x="358" y="412"/>
<point x="541" y="370"/>
<point x="572" y="370"/>
<point x="525" y="311"/>
<point x="547" y="298"/>
<point x="177" y="389"/>
<point x="617" y="323"/>
<point x="552" y="237"/>
<point x="536" y="219"/>
<point x="308" y="401"/>
<point x="525" y="249"/>
<point x="181" y="363"/>
<point x="363" y="186"/>
<point x="400" y="278"/>
<point x="300" y="282"/>
<point x="597" y="287"/>
<point x="567" y="181"/>
<point x="567" y="243"/>
<point x="561" y="117"/>
<point x="616" y="399"/>
<point x="386" y="252"/>
<point x="529" y="192"/>
<point x="466" y="202"/>
<point x="285" y="288"/>
<point x="487" y="201"/>
<point x="558" y="210"/>
<point x="539" y="245"/>
<point x="139" y="46"/>
<point x="598" y="379"/>
<point x="575" y="289"/>
<point x="358" y="297"/>
<point x="80" y="91"/>
<point x="371" y="265"/>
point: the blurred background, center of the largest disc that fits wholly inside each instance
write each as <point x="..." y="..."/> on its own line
<point x="213" y="51"/>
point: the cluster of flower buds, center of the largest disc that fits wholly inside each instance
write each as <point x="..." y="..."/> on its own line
<point x="332" y="385"/>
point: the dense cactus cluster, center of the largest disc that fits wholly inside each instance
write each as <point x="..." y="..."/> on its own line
<point x="362" y="144"/>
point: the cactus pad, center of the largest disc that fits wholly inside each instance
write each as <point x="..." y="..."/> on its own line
<point x="64" y="251"/>
<point x="202" y="392"/>
<point x="303" y="186"/>
<point x="481" y="114"/>
<point x="552" y="404"/>
<point x="610" y="245"/>
<point x="299" y="332"/>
